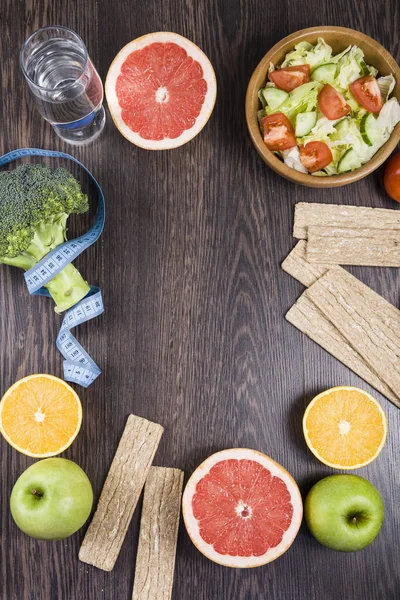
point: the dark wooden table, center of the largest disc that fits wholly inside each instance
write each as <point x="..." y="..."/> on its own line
<point x="194" y="335"/>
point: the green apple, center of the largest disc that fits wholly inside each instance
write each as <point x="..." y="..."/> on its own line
<point x="344" y="512"/>
<point x="51" y="499"/>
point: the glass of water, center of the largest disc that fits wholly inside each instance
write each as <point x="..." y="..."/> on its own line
<point x="67" y="88"/>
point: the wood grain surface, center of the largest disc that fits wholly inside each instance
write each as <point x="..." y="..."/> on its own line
<point x="194" y="335"/>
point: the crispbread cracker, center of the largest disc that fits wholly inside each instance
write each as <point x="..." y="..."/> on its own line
<point x="333" y="215"/>
<point x="155" y="563"/>
<point x="348" y="246"/>
<point x="308" y="318"/>
<point x="382" y="309"/>
<point x="120" y="493"/>
<point x="369" y="323"/>
<point x="297" y="266"/>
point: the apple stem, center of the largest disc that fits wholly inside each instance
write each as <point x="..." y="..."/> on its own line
<point x="354" y="519"/>
<point x="36" y="493"/>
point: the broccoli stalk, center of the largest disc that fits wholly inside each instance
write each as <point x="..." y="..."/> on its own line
<point x="35" y="202"/>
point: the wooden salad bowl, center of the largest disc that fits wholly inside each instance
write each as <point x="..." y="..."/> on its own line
<point x="339" y="38"/>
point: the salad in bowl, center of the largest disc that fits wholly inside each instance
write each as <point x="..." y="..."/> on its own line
<point x="324" y="113"/>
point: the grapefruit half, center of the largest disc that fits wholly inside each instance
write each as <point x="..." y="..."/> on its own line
<point x="160" y="90"/>
<point x="241" y="508"/>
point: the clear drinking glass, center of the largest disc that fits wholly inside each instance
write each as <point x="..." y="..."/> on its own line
<point x="66" y="86"/>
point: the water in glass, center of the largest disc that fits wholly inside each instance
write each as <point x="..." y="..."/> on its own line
<point x="67" y="88"/>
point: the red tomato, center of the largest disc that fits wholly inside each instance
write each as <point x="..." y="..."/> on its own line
<point x="291" y="77"/>
<point x="332" y="104"/>
<point x="391" y="178"/>
<point x="367" y="93"/>
<point x="278" y="132"/>
<point x="315" y="156"/>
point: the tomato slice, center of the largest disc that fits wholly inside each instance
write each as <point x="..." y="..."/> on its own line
<point x="332" y="104"/>
<point x="291" y="77"/>
<point x="278" y="132"/>
<point x="315" y="156"/>
<point x="367" y="93"/>
<point x="391" y="178"/>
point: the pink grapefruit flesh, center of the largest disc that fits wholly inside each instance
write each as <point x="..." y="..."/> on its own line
<point x="241" y="508"/>
<point x="161" y="90"/>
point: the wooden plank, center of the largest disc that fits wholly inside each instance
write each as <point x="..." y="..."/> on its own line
<point x="155" y="563"/>
<point x="310" y="320"/>
<point x="297" y="266"/>
<point x="120" y="493"/>
<point x="334" y="215"/>
<point x="348" y="246"/>
<point x="369" y="323"/>
<point x="196" y="340"/>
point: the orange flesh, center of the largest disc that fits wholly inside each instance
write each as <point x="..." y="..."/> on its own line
<point x="345" y="427"/>
<point x="40" y="416"/>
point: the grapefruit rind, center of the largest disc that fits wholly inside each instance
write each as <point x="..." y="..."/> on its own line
<point x="191" y="522"/>
<point x="23" y="450"/>
<point x="315" y="451"/>
<point x="208" y="74"/>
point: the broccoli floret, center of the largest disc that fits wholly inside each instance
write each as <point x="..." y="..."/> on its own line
<point x="35" y="203"/>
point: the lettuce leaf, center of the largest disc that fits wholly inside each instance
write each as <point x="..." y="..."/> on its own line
<point x="302" y="99"/>
<point x="305" y="53"/>
<point x="386" y="85"/>
<point x="352" y="139"/>
<point x="372" y="71"/>
<point x="260" y="115"/>
<point x="350" y="68"/>
<point x="389" y="116"/>
<point x="337" y="57"/>
<point x="321" y="131"/>
<point x="386" y="122"/>
<point x="291" y="158"/>
<point x="271" y="68"/>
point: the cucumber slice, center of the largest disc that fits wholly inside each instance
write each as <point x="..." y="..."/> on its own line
<point x="369" y="130"/>
<point x="305" y="122"/>
<point x="324" y="73"/>
<point x="274" y="97"/>
<point x="342" y="128"/>
<point x="261" y="98"/>
<point x="348" y="162"/>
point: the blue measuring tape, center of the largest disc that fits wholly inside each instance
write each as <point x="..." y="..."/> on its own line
<point x="79" y="367"/>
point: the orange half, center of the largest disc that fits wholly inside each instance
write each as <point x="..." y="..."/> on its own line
<point x="40" y="415"/>
<point x="345" y="427"/>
